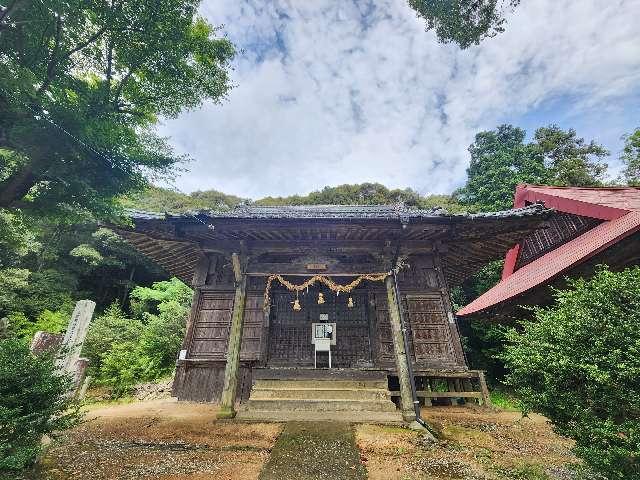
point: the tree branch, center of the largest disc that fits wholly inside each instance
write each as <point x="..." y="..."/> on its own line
<point x="53" y="60"/>
<point x="16" y="186"/>
<point x="7" y="11"/>
<point x="87" y="42"/>
<point x="125" y="79"/>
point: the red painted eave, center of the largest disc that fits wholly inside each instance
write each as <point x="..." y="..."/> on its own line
<point x="557" y="261"/>
<point x="595" y="202"/>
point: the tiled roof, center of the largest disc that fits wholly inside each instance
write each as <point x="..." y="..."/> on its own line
<point x="619" y="207"/>
<point x="337" y="212"/>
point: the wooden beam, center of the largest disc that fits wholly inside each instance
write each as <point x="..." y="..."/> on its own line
<point x="237" y="269"/>
<point x="402" y="365"/>
<point x="264" y="269"/>
<point x="228" y="398"/>
<point x="431" y="394"/>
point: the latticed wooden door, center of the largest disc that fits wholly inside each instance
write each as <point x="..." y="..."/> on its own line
<point x="431" y="333"/>
<point x="290" y="331"/>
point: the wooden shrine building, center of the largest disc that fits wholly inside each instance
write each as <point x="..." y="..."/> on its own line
<point x="265" y="277"/>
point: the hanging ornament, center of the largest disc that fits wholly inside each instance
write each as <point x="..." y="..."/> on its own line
<point x="296" y="304"/>
<point x="320" y="298"/>
<point x="350" y="302"/>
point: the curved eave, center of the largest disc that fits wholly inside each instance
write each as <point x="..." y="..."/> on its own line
<point x="556" y="262"/>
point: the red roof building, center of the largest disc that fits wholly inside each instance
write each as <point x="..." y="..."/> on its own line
<point x="590" y="226"/>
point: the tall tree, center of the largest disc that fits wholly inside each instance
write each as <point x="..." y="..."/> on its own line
<point x="630" y="158"/>
<point x="500" y="159"/>
<point x="465" y="22"/>
<point x="569" y="159"/>
<point x="81" y="86"/>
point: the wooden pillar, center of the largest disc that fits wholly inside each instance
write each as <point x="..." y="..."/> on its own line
<point x="402" y="367"/>
<point x="486" y="398"/>
<point x="227" y="401"/>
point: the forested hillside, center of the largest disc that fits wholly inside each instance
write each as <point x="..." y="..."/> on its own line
<point x="156" y="199"/>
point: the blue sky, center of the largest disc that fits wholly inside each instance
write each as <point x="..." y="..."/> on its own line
<point x="331" y="92"/>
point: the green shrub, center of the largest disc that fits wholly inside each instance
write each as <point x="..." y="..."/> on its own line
<point x="162" y="337"/>
<point x="125" y="351"/>
<point x="48" y="321"/>
<point x="148" y="300"/>
<point x="578" y="363"/>
<point x="108" y="329"/>
<point x="122" y="367"/>
<point x="32" y="403"/>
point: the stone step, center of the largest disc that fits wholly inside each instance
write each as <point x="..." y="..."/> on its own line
<point x="364" y="416"/>
<point x="314" y="405"/>
<point x="322" y="384"/>
<point x="321" y="393"/>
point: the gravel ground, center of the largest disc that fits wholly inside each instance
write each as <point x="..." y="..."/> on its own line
<point x="159" y="440"/>
<point x="166" y="440"/>
<point x="474" y="444"/>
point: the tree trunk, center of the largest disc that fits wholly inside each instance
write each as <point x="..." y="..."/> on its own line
<point x="16" y="186"/>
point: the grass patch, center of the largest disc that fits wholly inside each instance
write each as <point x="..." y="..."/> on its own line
<point x="505" y="401"/>
<point x="88" y="404"/>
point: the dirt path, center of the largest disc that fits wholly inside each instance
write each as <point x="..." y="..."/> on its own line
<point x="315" y="451"/>
<point x="158" y="440"/>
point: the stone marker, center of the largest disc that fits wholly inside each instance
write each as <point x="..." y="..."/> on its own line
<point x="45" y="342"/>
<point x="74" y="338"/>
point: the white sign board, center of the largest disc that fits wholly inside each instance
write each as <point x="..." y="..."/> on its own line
<point x="323" y="331"/>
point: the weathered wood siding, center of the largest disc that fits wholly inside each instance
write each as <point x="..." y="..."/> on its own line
<point x="559" y="229"/>
<point x="282" y="337"/>
<point x="203" y="381"/>
<point x="434" y="340"/>
<point x="290" y="331"/>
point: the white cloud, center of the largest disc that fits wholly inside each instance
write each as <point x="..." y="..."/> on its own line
<point x="343" y="92"/>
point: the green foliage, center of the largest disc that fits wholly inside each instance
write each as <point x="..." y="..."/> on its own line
<point x="111" y="328"/>
<point x="32" y="403"/>
<point x="500" y="160"/>
<point x="465" y="22"/>
<point x="578" y="363"/>
<point x="104" y="71"/>
<point x="126" y="350"/>
<point x="569" y="159"/>
<point x="12" y="281"/>
<point x="22" y="327"/>
<point x="504" y="400"/>
<point x="145" y="301"/>
<point x="87" y="254"/>
<point x="122" y="367"/>
<point x="357" y="194"/>
<point x="16" y="239"/>
<point x="45" y="290"/>
<point x="155" y="199"/>
<point x="483" y="340"/>
<point x="162" y="337"/>
<point x="630" y="158"/>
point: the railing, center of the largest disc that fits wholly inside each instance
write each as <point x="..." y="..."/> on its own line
<point x="469" y="384"/>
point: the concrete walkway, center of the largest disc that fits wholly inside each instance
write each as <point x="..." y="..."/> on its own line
<point x="314" y="451"/>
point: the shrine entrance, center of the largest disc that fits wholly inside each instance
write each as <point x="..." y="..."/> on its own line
<point x="290" y="330"/>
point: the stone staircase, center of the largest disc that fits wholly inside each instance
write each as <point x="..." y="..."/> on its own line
<point x="320" y="399"/>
